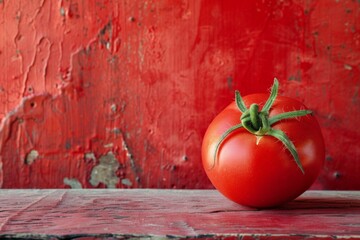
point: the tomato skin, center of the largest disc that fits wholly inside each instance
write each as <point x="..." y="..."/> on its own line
<point x="259" y="171"/>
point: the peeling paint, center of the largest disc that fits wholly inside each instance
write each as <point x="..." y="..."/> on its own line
<point x="126" y="182"/>
<point x="109" y="145"/>
<point x="31" y="157"/>
<point x="73" y="183"/>
<point x="105" y="171"/>
<point x="90" y="156"/>
<point x="347" y="67"/>
<point x="143" y="79"/>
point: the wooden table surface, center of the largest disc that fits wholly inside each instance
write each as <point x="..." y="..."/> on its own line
<point x="146" y="213"/>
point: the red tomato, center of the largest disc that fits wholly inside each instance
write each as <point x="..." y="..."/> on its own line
<point x="259" y="171"/>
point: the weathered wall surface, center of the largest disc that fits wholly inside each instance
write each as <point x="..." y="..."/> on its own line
<point x="119" y="93"/>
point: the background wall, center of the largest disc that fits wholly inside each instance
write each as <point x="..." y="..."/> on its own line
<point x="119" y="93"/>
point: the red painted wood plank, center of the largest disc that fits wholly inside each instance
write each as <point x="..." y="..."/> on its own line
<point x="118" y="213"/>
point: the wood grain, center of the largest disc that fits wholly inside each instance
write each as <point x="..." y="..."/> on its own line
<point x="145" y="213"/>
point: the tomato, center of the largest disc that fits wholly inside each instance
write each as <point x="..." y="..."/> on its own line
<point x="259" y="170"/>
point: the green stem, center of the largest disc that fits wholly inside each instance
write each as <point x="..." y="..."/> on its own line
<point x="280" y="135"/>
<point x="254" y="115"/>
<point x="222" y="138"/>
<point x="258" y="122"/>
<point x="239" y="102"/>
<point x="273" y="95"/>
<point x="247" y="124"/>
<point x="287" y="115"/>
<point x="265" y="125"/>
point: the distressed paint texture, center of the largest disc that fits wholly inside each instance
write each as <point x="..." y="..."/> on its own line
<point x="141" y="80"/>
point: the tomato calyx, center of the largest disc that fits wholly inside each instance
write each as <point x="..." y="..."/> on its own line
<point x="259" y="123"/>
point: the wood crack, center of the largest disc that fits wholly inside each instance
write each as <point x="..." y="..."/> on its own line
<point x="18" y="213"/>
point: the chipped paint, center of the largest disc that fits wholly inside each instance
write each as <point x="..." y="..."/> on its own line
<point x="126" y="182"/>
<point x="90" y="156"/>
<point x="31" y="157"/>
<point x="105" y="171"/>
<point x="73" y="183"/>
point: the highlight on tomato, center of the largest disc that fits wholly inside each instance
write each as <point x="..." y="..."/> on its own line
<point x="263" y="150"/>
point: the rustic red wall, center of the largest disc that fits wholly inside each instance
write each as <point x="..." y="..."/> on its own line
<point x="120" y="93"/>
